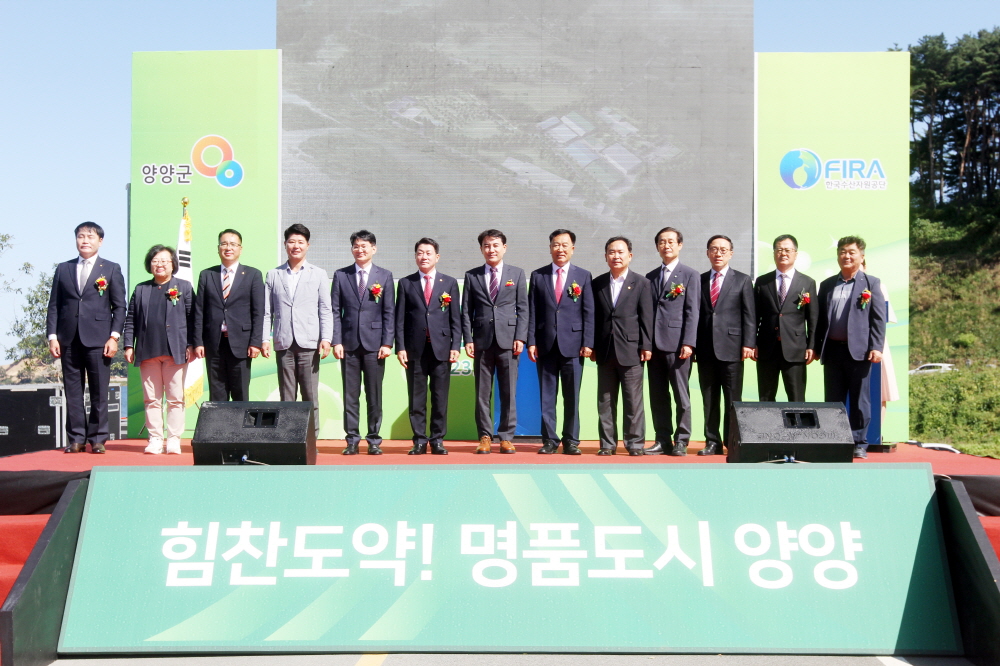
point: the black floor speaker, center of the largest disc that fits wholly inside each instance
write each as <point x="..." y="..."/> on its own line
<point x="813" y="432"/>
<point x="268" y="433"/>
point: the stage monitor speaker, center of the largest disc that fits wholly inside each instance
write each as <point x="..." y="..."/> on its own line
<point x="269" y="433"/>
<point x="815" y="432"/>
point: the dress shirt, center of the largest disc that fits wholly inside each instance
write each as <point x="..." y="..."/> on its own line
<point x="555" y="275"/>
<point x="840" y="297"/>
<point x="787" y="277"/>
<point x="666" y="270"/>
<point x="499" y="274"/>
<point x="293" y="277"/>
<point x="357" y="275"/>
<point x="722" y="276"/>
<point x="232" y="278"/>
<point x="616" y="286"/>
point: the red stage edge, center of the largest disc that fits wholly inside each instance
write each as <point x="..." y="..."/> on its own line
<point x="31" y="616"/>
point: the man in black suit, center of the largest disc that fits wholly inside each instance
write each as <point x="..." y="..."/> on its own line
<point x="727" y="334"/>
<point x="229" y="320"/>
<point x="676" y="299"/>
<point x="428" y="337"/>
<point x="495" y="327"/>
<point x="86" y="315"/>
<point x="560" y="336"/>
<point x="786" y="328"/>
<point x="363" y="302"/>
<point x="851" y="335"/>
<point x="623" y="325"/>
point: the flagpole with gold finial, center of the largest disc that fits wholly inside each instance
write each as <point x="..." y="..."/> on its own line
<point x="194" y="375"/>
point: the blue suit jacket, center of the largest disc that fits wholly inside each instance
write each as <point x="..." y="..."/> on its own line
<point x="417" y="322"/>
<point x="505" y="321"/>
<point x="675" y="320"/>
<point x="91" y="315"/>
<point x="364" y="322"/>
<point x="564" y="327"/>
<point x="865" y="327"/>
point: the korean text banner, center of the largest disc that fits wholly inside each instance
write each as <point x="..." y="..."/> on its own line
<point x="740" y="558"/>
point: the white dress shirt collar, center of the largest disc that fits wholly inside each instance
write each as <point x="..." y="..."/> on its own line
<point x="555" y="269"/>
<point x="231" y="269"/>
<point x="788" y="275"/>
<point x="669" y="268"/>
<point x="722" y="274"/>
<point x="499" y="270"/>
<point x="423" y="276"/>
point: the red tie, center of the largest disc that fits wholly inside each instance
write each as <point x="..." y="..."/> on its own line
<point x="715" y="289"/>
<point x="559" y="284"/>
<point x="427" y="290"/>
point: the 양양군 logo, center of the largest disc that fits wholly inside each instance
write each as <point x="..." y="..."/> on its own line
<point x="801" y="169"/>
<point x="228" y="172"/>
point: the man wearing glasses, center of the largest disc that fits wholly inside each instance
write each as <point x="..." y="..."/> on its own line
<point x="786" y="328"/>
<point x="727" y="335"/>
<point x="229" y="320"/>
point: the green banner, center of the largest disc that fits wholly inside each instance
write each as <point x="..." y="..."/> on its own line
<point x="583" y="558"/>
<point x="833" y="160"/>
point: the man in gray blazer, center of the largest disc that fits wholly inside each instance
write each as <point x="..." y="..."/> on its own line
<point x="851" y="335"/>
<point x="676" y="296"/>
<point x="298" y="317"/>
<point x="363" y="300"/>
<point x="495" y="327"/>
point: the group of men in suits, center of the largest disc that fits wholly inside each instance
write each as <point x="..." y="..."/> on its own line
<point x="623" y="321"/>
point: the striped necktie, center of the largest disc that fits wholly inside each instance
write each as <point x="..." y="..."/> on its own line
<point x="715" y="289"/>
<point x="782" y="288"/>
<point x="494" y="283"/>
<point x="227" y="282"/>
<point x="361" y="285"/>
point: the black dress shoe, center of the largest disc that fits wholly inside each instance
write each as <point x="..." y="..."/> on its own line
<point x="351" y="449"/>
<point x="571" y="449"/>
<point x="636" y="452"/>
<point x="437" y="449"/>
<point x="606" y="452"/>
<point x="859" y="452"/>
<point x="417" y="450"/>
<point x="710" y="450"/>
<point x="549" y="447"/>
<point x="678" y="450"/>
<point x="655" y="450"/>
<point x="374" y="450"/>
<point x="97" y="447"/>
<point x="75" y="448"/>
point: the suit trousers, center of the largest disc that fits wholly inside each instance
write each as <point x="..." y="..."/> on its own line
<point x="612" y="376"/>
<point x="719" y="379"/>
<point x="161" y="376"/>
<point x="298" y="371"/>
<point x="82" y="366"/>
<point x="488" y="362"/>
<point x="848" y="381"/>
<point x="553" y="369"/>
<point x="669" y="372"/>
<point x="793" y="377"/>
<point x="419" y="371"/>
<point x="228" y="375"/>
<point x="363" y="365"/>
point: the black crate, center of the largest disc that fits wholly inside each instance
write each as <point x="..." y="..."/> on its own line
<point x="31" y="418"/>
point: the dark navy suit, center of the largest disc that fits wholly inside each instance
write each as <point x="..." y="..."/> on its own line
<point x="784" y="333"/>
<point x="83" y="323"/>
<point x="846" y="368"/>
<point x="428" y="333"/>
<point x="364" y="326"/>
<point x="559" y="331"/>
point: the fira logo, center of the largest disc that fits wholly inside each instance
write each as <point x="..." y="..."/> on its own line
<point x="801" y="169"/>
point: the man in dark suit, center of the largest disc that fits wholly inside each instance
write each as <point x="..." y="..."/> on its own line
<point x="428" y="337"/>
<point x="560" y="336"/>
<point x="623" y="325"/>
<point x="727" y="334"/>
<point x="786" y="329"/>
<point x="495" y="327"/>
<point x="676" y="299"/>
<point x="363" y="301"/>
<point x="86" y="315"/>
<point x="851" y="336"/>
<point x="229" y="320"/>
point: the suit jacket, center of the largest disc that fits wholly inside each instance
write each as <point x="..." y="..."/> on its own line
<point x="242" y="312"/>
<point x="179" y="320"/>
<point x="732" y="323"/>
<point x="626" y="327"/>
<point x="418" y="323"/>
<point x="675" y="321"/>
<point x="305" y="318"/>
<point x="794" y="325"/>
<point x="363" y="322"/>
<point x="865" y="328"/>
<point x="93" y="316"/>
<point x="484" y="321"/>
<point x="565" y="326"/>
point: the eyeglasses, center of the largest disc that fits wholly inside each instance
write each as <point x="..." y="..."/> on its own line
<point x="784" y="251"/>
<point x="719" y="250"/>
<point x="161" y="262"/>
<point x="232" y="245"/>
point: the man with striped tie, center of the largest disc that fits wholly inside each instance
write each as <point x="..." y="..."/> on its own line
<point x="229" y="320"/>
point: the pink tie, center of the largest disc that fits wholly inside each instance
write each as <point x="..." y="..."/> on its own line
<point x="559" y="284"/>
<point x="427" y="290"/>
<point x="715" y="289"/>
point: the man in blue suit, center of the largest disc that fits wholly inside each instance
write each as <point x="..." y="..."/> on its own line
<point x="86" y="315"/>
<point x="428" y="337"/>
<point x="560" y="336"/>
<point x="676" y="296"/>
<point x="851" y="336"/>
<point x="363" y="300"/>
